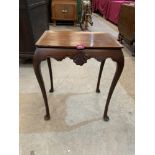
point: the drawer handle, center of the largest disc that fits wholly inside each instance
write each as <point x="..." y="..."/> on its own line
<point x="64" y="11"/>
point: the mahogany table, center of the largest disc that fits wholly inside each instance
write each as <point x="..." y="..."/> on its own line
<point x="79" y="46"/>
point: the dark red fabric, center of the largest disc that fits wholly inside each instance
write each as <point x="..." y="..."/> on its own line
<point x="109" y="8"/>
<point x="95" y="5"/>
<point x="101" y="6"/>
<point x="113" y="10"/>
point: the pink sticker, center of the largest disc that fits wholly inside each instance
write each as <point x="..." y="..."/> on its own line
<point x="80" y="47"/>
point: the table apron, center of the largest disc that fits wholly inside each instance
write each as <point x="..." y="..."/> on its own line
<point x="78" y="55"/>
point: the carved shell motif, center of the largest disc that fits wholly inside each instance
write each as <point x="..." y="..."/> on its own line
<point x="80" y="58"/>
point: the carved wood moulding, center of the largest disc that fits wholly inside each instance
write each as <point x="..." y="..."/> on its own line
<point x="80" y="58"/>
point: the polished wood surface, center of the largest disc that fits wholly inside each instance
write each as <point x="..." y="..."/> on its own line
<point x="60" y="45"/>
<point x="73" y="39"/>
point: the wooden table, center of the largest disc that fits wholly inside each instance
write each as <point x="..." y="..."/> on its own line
<point x="79" y="46"/>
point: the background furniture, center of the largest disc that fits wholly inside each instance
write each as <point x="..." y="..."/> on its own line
<point x="65" y="10"/>
<point x="33" y="21"/>
<point x="78" y="10"/>
<point x="86" y="15"/>
<point x="126" y="24"/>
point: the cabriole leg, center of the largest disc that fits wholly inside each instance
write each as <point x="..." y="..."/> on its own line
<point x="119" y="69"/>
<point x="37" y="70"/>
<point x="99" y="76"/>
<point x="50" y="73"/>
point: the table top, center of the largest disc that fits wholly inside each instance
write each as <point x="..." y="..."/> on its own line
<point x="73" y="39"/>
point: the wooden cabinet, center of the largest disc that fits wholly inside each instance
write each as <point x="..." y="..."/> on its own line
<point x="126" y="24"/>
<point x="33" y="21"/>
<point x="65" y="10"/>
